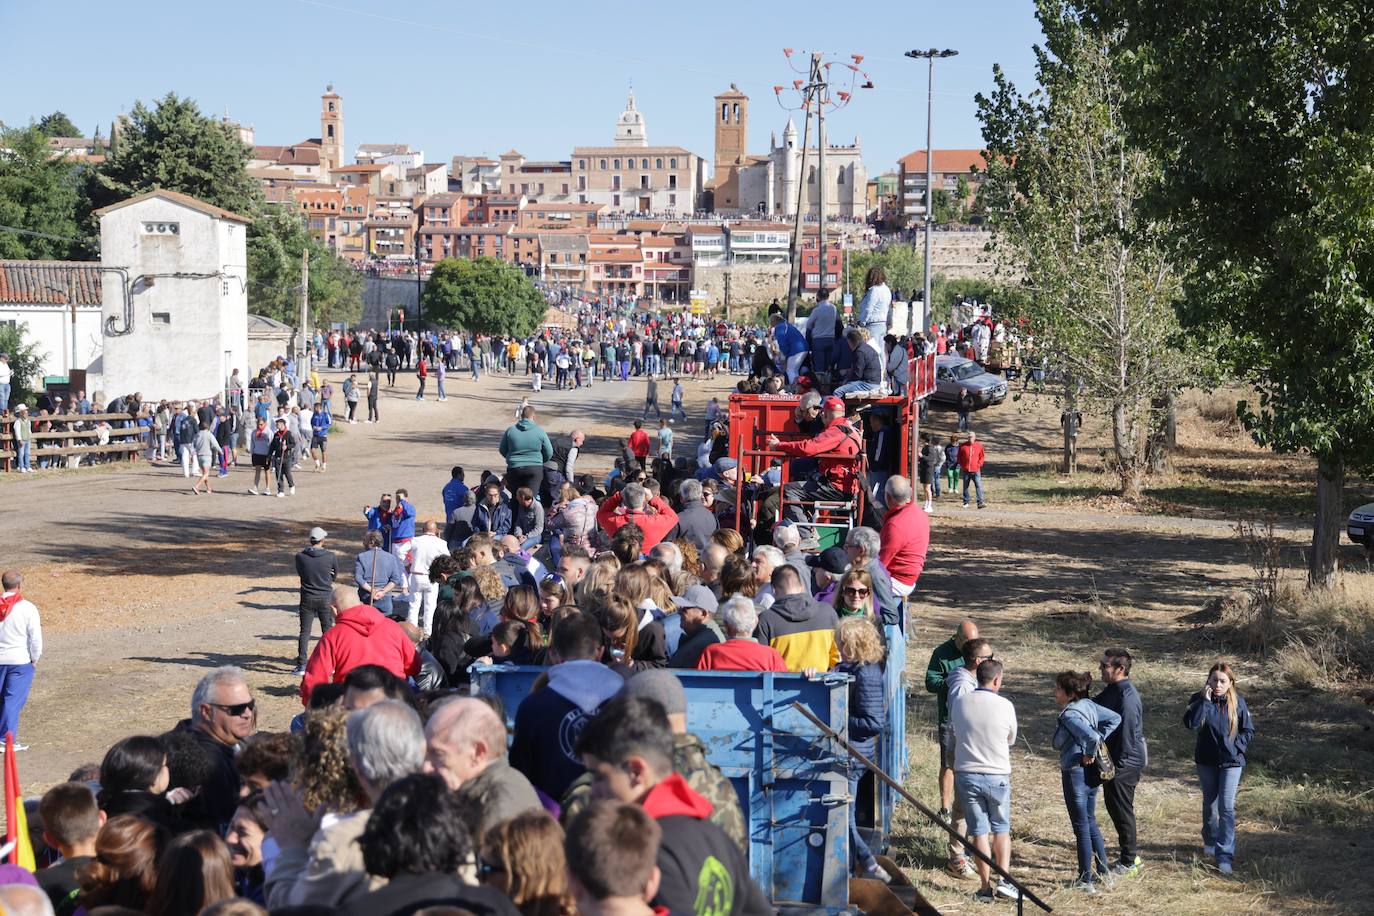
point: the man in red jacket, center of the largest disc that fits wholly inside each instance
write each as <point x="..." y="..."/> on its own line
<point x="971" y="464"/>
<point x="361" y="635"/>
<point x="656" y="520"/>
<point x="905" y="536"/>
<point x="836" y="449"/>
<point x="639" y="444"/>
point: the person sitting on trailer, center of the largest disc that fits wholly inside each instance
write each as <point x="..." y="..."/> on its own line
<point x="836" y="448"/>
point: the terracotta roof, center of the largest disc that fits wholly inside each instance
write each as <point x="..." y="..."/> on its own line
<point x="510" y="152"/>
<point x="442" y="199"/>
<point x="299" y="155"/>
<point x="655" y="241"/>
<point x="617" y="256"/>
<point x="185" y="200"/>
<point x="48" y="282"/>
<point x="269" y="153"/>
<point x="944" y="160"/>
<point x="705" y="230"/>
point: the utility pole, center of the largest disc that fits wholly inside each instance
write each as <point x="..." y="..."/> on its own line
<point x="815" y="94"/>
<point x="928" y="56"/>
<point x="305" y="312"/>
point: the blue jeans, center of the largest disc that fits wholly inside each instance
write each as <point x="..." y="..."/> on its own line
<point x="822" y="353"/>
<point x="857" y="386"/>
<point x="23" y="456"/>
<point x="15" y="681"/>
<point x="1081" y="800"/>
<point x="860" y="856"/>
<point x="977" y="478"/>
<point x="1219" y="785"/>
<point x="4" y="396"/>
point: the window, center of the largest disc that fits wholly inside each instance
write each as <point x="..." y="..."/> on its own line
<point x="331" y="106"/>
<point x="813" y="279"/>
<point x="811" y="176"/>
<point x="672" y="200"/>
<point x="582" y="184"/>
<point x="672" y="163"/>
<point x="603" y="164"/>
<point x="565" y="188"/>
<point x="329" y="131"/>
<point x="616" y="163"/>
<point x="672" y="181"/>
<point x="839" y="179"/>
<point x="737" y="112"/>
<point x="163" y="318"/>
<point x="644" y="163"/>
<point x="615" y="200"/>
<point x="582" y="164"/>
<point x="615" y="182"/>
<point x="658" y="163"/>
<point x="582" y="198"/>
<point x="644" y="182"/>
<point x="725" y="111"/>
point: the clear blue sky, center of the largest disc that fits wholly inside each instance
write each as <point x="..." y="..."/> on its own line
<point x="451" y="77"/>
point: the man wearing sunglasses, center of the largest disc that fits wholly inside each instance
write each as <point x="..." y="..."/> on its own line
<point x="223" y="714"/>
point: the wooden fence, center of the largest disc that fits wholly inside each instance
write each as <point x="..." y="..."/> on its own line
<point x="62" y="440"/>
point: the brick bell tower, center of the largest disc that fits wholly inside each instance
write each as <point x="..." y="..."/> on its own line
<point x="732" y="145"/>
<point x="331" y="131"/>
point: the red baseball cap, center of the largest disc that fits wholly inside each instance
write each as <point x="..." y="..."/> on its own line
<point x="832" y="403"/>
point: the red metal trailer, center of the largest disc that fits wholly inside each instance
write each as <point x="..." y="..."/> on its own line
<point x="754" y="417"/>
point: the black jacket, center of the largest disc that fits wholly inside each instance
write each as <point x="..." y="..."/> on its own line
<point x="407" y="894"/>
<point x="448" y="647"/>
<point x="318" y="568"/>
<point x="690" y="648"/>
<point x="651" y="648"/>
<point x="695" y="523"/>
<point x="1127" y="743"/>
<point x="214" y="807"/>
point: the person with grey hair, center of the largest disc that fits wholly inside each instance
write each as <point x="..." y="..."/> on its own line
<point x="24" y="900"/>
<point x="321" y="865"/>
<point x="787" y="538"/>
<point x="766" y="559"/>
<point x="223" y="714"/>
<point x="864" y="545"/>
<point x="466" y="745"/>
<point x="712" y="559"/>
<point x="695" y="522"/>
<point x="905" y="537"/>
<point x="670" y="555"/>
<point x="632" y="505"/>
<point x="740" y="651"/>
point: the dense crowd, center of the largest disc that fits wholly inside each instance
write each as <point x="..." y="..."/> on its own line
<point x="397" y="789"/>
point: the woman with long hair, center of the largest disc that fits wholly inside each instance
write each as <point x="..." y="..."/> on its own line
<point x="522" y="858"/>
<point x="192" y="874"/>
<point x="599" y="581"/>
<point x="134" y="778"/>
<point x="854" y="596"/>
<point x="737" y="578"/>
<point x="618" y="619"/>
<point x="323" y="773"/>
<point x="124" y="870"/>
<point x="1078" y="732"/>
<point x="875" y="308"/>
<point x="554" y="592"/>
<point x="454" y="625"/>
<point x="1224" y="731"/>
<point x="861" y="655"/>
<point x="521" y="607"/>
<point x="642" y="586"/>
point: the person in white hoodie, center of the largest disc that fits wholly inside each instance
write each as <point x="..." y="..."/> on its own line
<point x="21" y="646"/>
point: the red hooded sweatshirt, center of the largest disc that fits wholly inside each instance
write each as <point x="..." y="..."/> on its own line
<point x="361" y="636"/>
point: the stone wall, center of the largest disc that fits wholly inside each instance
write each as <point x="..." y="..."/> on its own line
<point x="382" y="294"/>
<point x="747" y="284"/>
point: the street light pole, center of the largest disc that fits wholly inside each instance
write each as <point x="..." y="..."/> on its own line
<point x="929" y="56"/>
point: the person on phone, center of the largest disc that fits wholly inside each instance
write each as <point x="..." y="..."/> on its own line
<point x="1224" y="731"/>
<point x="1082" y="726"/>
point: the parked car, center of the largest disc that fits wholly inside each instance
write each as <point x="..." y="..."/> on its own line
<point x="954" y="374"/>
<point x="1360" y="526"/>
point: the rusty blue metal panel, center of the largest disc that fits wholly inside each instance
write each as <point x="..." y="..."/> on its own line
<point x="791" y="780"/>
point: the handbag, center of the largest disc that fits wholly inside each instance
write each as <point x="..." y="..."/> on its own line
<point x="1106" y="767"/>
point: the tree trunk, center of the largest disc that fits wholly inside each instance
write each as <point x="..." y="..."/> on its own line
<point x="1124" y="439"/>
<point x="1326" y="529"/>
<point x="1159" y="450"/>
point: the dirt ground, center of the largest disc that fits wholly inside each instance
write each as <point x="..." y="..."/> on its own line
<point x="143" y="587"/>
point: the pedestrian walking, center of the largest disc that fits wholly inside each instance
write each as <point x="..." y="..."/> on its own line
<point x="21" y="646"/>
<point x="677" y="402"/>
<point x="317" y="569"/>
<point x="440" y="373"/>
<point x="1079" y="732"/>
<point x="971" y="458"/>
<point x="421" y="373"/>
<point x="280" y="452"/>
<point x="1224" y="731"/>
<point x="350" y="391"/>
<point x="259" y="448"/>
<point x="374" y="385"/>
<point x="651" y="399"/>
<point x="206" y="450"/>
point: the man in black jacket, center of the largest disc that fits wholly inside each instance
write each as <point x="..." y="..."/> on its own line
<point x="695" y="606"/>
<point x="628" y="748"/>
<point x="223" y="715"/>
<point x="1127" y="747"/>
<point x="317" y="568"/>
<point x="694" y="521"/>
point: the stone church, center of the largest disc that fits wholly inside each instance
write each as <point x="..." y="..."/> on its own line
<point x="768" y="185"/>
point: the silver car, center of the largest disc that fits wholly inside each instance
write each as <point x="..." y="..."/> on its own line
<point x="954" y="374"/>
<point x="1360" y="526"/>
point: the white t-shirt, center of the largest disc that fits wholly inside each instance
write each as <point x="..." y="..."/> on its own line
<point x="5" y="372"/>
<point x="423" y="550"/>
<point x="983" y="728"/>
<point x="21" y="635"/>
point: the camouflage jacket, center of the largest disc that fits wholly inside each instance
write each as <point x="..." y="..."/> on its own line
<point x="706" y="779"/>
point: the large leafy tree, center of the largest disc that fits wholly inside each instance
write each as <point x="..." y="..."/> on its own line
<point x="901" y="264"/>
<point x="1064" y="188"/>
<point x="38" y="194"/>
<point x="276" y="241"/>
<point x="175" y="147"/>
<point x="25" y="362"/>
<point x="484" y="295"/>
<point x="58" y="124"/>
<point x="1261" y="115"/>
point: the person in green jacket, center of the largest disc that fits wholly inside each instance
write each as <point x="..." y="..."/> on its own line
<point x="525" y="447"/>
<point x="946" y="657"/>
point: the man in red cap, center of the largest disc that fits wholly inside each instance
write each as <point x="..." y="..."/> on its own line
<point x="836" y="449"/>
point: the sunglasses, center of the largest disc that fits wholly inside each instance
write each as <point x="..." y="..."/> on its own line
<point x="237" y="709"/>
<point x="856" y="591"/>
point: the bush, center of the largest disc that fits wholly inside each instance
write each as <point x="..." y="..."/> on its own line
<point x="25" y="362"/>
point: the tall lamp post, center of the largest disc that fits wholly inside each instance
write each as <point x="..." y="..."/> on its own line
<point x="928" y="56"/>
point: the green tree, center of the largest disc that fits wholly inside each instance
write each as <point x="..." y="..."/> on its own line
<point x="25" y="362"/>
<point x="1260" y="113"/>
<point x="901" y="263"/>
<point x="276" y="240"/>
<point x="484" y="295"/>
<point x="1064" y="187"/>
<point x="39" y="194"/>
<point x="57" y="124"/>
<point x="175" y="147"/>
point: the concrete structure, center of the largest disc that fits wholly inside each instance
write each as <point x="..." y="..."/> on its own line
<point x="475" y="174"/>
<point x="55" y="301"/>
<point x="751" y="242"/>
<point x="180" y="325"/>
<point x="629" y="127"/>
<point x="267" y="340"/>
<point x="399" y="154"/>
<point x="331" y="130"/>
<point x="736" y="286"/>
<point x="947" y="167"/>
<point x="769" y="184"/>
<point x="428" y="178"/>
<point x="732" y="148"/>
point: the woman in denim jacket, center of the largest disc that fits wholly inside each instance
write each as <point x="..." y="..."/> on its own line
<point x="1082" y="724"/>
